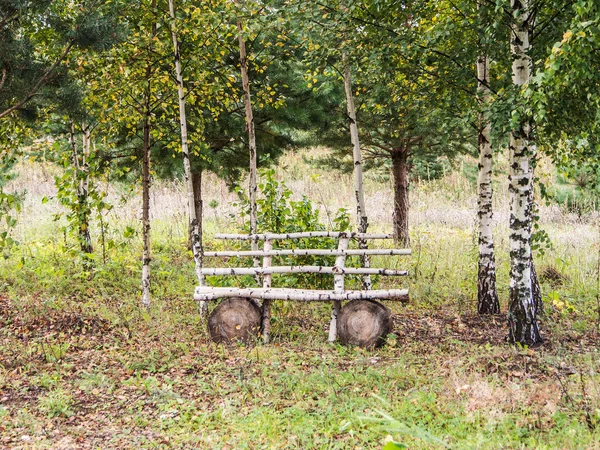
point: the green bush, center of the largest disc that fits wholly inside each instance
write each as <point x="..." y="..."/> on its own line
<point x="277" y="213"/>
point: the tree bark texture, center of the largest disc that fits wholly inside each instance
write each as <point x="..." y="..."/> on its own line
<point x="146" y="214"/>
<point x="401" y="205"/>
<point x="252" y="184"/>
<point x="522" y="320"/>
<point x="338" y="281"/>
<point x="193" y="180"/>
<point x="487" y="295"/>
<point x="80" y="165"/>
<point x="146" y="146"/>
<point x="536" y="290"/>
<point x="359" y="192"/>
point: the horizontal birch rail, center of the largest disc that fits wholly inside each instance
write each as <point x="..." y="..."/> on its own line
<point x="216" y="271"/>
<point x="203" y="293"/>
<point x="311" y="252"/>
<point x="305" y="234"/>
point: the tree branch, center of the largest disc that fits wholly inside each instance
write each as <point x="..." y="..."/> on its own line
<point x="41" y="82"/>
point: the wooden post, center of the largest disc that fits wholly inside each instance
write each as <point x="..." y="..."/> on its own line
<point x="266" y="311"/>
<point x="338" y="287"/>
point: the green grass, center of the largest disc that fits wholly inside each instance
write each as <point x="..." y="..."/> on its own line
<point x="81" y="365"/>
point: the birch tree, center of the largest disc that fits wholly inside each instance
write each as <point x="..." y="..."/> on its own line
<point x="193" y="180"/>
<point x="522" y="314"/>
<point x="252" y="184"/>
<point x="146" y="148"/>
<point x="487" y="296"/>
<point x="359" y="191"/>
<point x="80" y="161"/>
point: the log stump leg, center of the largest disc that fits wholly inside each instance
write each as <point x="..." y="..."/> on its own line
<point x="365" y="323"/>
<point x="235" y="318"/>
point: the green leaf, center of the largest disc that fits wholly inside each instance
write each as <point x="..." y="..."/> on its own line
<point x="393" y="446"/>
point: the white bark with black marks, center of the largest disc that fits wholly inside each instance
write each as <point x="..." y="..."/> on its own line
<point x="359" y="193"/>
<point x="252" y="184"/>
<point x="81" y="175"/>
<point x="487" y="295"/>
<point x="146" y="147"/>
<point x="146" y="259"/>
<point x="338" y="282"/>
<point x="311" y="252"/>
<point x="304" y="234"/>
<point x="193" y="180"/>
<point x="267" y="270"/>
<point x="522" y="320"/>
<point x="209" y="293"/>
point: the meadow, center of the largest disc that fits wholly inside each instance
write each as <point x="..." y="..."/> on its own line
<point x="82" y="365"/>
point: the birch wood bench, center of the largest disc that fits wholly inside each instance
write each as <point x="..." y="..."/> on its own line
<point x="362" y="321"/>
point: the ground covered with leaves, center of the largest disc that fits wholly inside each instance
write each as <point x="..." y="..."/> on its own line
<point x="82" y="365"/>
<point x="74" y="376"/>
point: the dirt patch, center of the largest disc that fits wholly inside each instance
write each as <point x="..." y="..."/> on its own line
<point x="27" y="322"/>
<point x="444" y="326"/>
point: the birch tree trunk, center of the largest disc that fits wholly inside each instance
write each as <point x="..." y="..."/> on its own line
<point x="82" y="181"/>
<point x="401" y="205"/>
<point x="252" y="185"/>
<point x="193" y="180"/>
<point x="146" y="209"/>
<point x="522" y="321"/>
<point x="536" y="290"/>
<point x="359" y="193"/>
<point x="147" y="145"/>
<point x="487" y="296"/>
<point x="198" y="205"/>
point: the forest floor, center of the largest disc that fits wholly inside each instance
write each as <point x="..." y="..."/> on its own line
<point x="82" y="366"/>
<point x="72" y="379"/>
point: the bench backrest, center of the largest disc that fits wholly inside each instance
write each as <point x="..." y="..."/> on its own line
<point x="265" y="268"/>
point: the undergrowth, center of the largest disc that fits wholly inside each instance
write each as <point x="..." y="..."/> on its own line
<point x="83" y="366"/>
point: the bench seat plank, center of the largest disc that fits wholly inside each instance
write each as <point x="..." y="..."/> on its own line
<point x="206" y="293"/>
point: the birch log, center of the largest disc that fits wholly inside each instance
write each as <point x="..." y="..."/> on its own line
<point x="266" y="270"/>
<point x="310" y="252"/>
<point x="487" y="296"/>
<point x="302" y="295"/>
<point x="304" y="234"/>
<point x="252" y="184"/>
<point x="194" y="221"/>
<point x="522" y="320"/>
<point x="365" y="323"/>
<point x="234" y="319"/>
<point x="361" y="212"/>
